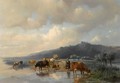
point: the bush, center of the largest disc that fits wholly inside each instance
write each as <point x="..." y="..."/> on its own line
<point x="106" y="73"/>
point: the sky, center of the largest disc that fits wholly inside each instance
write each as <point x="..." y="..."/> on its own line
<point x="29" y="26"/>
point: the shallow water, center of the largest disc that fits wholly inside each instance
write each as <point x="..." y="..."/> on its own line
<point x="28" y="75"/>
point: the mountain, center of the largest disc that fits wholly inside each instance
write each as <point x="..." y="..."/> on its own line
<point x="83" y="49"/>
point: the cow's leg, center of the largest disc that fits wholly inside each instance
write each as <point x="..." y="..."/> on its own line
<point x="53" y="69"/>
<point x="74" y="73"/>
<point x="48" y="68"/>
<point x="40" y="69"/>
<point x="35" y="68"/>
<point x="13" y="66"/>
<point x="82" y="73"/>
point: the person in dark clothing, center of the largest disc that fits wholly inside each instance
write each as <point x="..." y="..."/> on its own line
<point x="68" y="64"/>
<point x="68" y="68"/>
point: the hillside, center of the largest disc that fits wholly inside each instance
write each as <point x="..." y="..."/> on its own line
<point x="82" y="49"/>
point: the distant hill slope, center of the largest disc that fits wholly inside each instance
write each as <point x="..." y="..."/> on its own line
<point x="82" y="49"/>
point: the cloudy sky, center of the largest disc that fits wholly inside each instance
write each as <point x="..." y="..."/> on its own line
<point x="28" y="26"/>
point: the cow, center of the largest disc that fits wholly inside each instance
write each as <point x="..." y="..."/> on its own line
<point x="42" y="64"/>
<point x="32" y="62"/>
<point x="80" y="66"/>
<point x="52" y="63"/>
<point x="16" y="64"/>
<point x="55" y="67"/>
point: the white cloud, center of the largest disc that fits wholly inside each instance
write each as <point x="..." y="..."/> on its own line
<point x="96" y="39"/>
<point x="22" y="12"/>
<point x="20" y="43"/>
<point x="22" y="22"/>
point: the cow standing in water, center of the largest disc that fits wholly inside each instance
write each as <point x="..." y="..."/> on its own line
<point x="80" y="66"/>
<point x="42" y="64"/>
<point x="31" y="62"/>
<point x="16" y="64"/>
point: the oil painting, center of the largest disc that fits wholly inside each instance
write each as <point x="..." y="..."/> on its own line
<point x="59" y="41"/>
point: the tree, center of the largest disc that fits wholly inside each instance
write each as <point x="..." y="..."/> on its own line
<point x="104" y="58"/>
<point x="98" y="58"/>
<point x="110" y="58"/>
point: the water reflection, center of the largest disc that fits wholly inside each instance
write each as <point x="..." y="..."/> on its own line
<point x="42" y="74"/>
<point x="68" y="73"/>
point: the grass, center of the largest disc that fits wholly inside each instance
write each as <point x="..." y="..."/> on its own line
<point x="107" y="73"/>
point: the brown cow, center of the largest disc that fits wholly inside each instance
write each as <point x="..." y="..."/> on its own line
<point x="55" y="67"/>
<point x="32" y="62"/>
<point x="79" y="66"/>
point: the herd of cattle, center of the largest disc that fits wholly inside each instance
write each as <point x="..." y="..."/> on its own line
<point x="51" y="63"/>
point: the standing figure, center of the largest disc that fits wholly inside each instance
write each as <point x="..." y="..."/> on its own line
<point x="68" y="68"/>
<point x="67" y="64"/>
